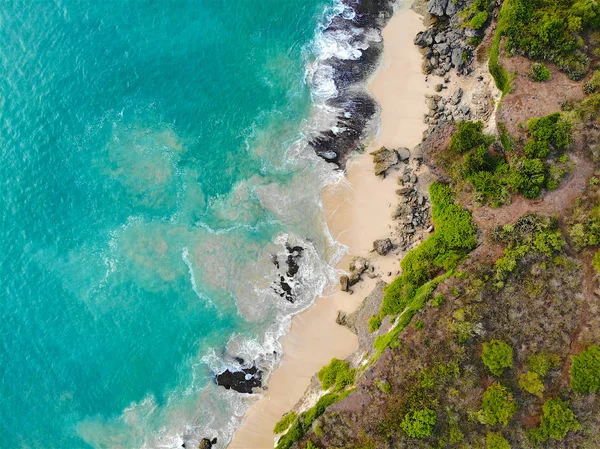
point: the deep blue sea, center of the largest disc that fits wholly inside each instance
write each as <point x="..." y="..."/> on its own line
<point x="153" y="159"/>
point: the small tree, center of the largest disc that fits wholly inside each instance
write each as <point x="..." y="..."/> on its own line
<point x="539" y="72"/>
<point x="531" y="383"/>
<point x="542" y="362"/>
<point x="497" y="356"/>
<point x="495" y="440"/>
<point x="557" y="421"/>
<point x="585" y="370"/>
<point x="338" y="373"/>
<point x="498" y="405"/>
<point x="419" y="424"/>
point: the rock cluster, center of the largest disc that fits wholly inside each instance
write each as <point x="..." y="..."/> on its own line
<point x="385" y="158"/>
<point x="206" y="443"/>
<point x="243" y="380"/>
<point x="411" y="214"/>
<point x="358" y="266"/>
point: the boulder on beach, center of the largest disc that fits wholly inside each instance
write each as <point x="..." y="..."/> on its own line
<point x="383" y="246"/>
<point x="384" y="159"/>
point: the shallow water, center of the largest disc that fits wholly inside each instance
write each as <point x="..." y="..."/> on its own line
<point x="153" y="159"/>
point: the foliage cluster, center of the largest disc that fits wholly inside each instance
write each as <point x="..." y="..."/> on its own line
<point x="531" y="235"/>
<point x="305" y="420"/>
<point x="557" y="420"/>
<point x="550" y="30"/>
<point x="531" y="383"/>
<point x="285" y="422"/>
<point x="495" y="440"/>
<point x="542" y="362"/>
<point x="454" y="237"/>
<point x="419" y="423"/>
<point x="498" y="406"/>
<point x="477" y="13"/>
<point x="585" y="370"/>
<point x="593" y="85"/>
<point x="539" y="72"/>
<point x="337" y="374"/>
<point x="497" y="356"/>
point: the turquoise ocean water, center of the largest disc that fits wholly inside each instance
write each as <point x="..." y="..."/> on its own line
<point x="153" y="159"/>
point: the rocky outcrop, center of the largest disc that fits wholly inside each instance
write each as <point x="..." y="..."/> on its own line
<point x="243" y="380"/>
<point x="383" y="246"/>
<point x="206" y="443"/>
<point x="291" y="262"/>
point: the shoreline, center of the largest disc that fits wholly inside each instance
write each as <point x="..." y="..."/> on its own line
<point x="358" y="212"/>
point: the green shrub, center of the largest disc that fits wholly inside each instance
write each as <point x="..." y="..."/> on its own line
<point x="438" y="300"/>
<point x="557" y="421"/>
<point x="593" y="84"/>
<point x="531" y="383"/>
<point x="542" y="362"/>
<point x="338" y="373"/>
<point x="419" y="325"/>
<point x="469" y="136"/>
<point x="552" y="129"/>
<point x="419" y="424"/>
<point x="454" y="236"/>
<point x="374" y="323"/>
<point x="539" y="72"/>
<point x="383" y="385"/>
<point x="285" y="422"/>
<point x="498" y="406"/>
<point x="497" y="356"/>
<point x="311" y="445"/>
<point x="478" y="20"/>
<point x="495" y="440"/>
<point x="585" y="370"/>
<point x="536" y="150"/>
<point x="596" y="261"/>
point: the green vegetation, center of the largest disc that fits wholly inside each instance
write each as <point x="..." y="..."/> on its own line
<point x="495" y="440"/>
<point x="497" y="356"/>
<point x="596" y="261"/>
<point x="557" y="421"/>
<point x="593" y="85"/>
<point x="498" y="72"/>
<point x="419" y="325"/>
<point x="498" y="406"/>
<point x="438" y="300"/>
<point x="383" y="385"/>
<point x="337" y="374"/>
<point x="539" y="72"/>
<point x="531" y="234"/>
<point x="374" y="323"/>
<point x="305" y="420"/>
<point x="310" y="445"/>
<point x="477" y="13"/>
<point x="454" y="236"/>
<point x="285" y="422"/>
<point x="549" y="30"/>
<point x="531" y="383"/>
<point x="585" y="371"/>
<point x="542" y="362"/>
<point x="419" y="424"/>
<point x="469" y="136"/>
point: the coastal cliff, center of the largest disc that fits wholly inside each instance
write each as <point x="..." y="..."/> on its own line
<point x="487" y="335"/>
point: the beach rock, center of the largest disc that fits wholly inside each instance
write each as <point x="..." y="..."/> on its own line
<point x="457" y="57"/>
<point x="383" y="246"/>
<point x="401" y="212"/>
<point x="453" y="7"/>
<point x="440" y="37"/>
<point x="341" y="318"/>
<point x="344" y="282"/>
<point x="457" y="96"/>
<point x="437" y="7"/>
<point x="284" y="287"/>
<point x="424" y="38"/>
<point x="242" y="381"/>
<point x="384" y="159"/>
<point x="206" y="443"/>
<point x="431" y="104"/>
<point x="438" y="87"/>
<point x="404" y="190"/>
<point x="403" y="154"/>
<point x="443" y="49"/>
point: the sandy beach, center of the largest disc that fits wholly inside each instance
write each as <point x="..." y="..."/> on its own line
<point x="358" y="212"/>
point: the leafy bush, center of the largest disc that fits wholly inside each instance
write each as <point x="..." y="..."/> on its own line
<point x="585" y="370"/>
<point x="285" y="422"/>
<point x="498" y="406"/>
<point x="539" y="72"/>
<point x="497" y="356"/>
<point x="552" y="129"/>
<point x="478" y="20"/>
<point x="469" y="136"/>
<point x="549" y="30"/>
<point x="593" y="84"/>
<point x="338" y="373"/>
<point x="383" y="385"/>
<point x="531" y="383"/>
<point x="542" y="362"/>
<point x="495" y="440"/>
<point x="374" y="323"/>
<point x="557" y="421"/>
<point x="419" y="424"/>
<point x="596" y="261"/>
<point x="454" y="236"/>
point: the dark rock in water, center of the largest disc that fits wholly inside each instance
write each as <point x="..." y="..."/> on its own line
<point x="206" y="443"/>
<point x="335" y="145"/>
<point x="356" y="107"/>
<point x="383" y="246"/>
<point x="284" y="287"/>
<point x="242" y="381"/>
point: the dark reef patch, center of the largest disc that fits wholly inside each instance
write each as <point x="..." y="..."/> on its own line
<point x="284" y="287"/>
<point x="243" y="380"/>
